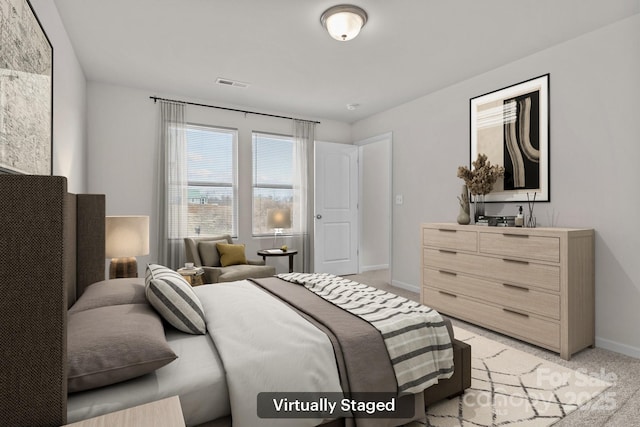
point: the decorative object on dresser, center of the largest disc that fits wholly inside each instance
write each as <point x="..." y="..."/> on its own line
<point x="511" y="126"/>
<point x="519" y="221"/>
<point x="480" y="181"/>
<point x="463" y="199"/>
<point x="26" y="91"/>
<point x="126" y="238"/>
<point x="498" y="221"/>
<point x="536" y="285"/>
<point x="531" y="221"/>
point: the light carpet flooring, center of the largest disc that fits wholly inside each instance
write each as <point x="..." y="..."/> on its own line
<point x="510" y="387"/>
<point x="617" y="406"/>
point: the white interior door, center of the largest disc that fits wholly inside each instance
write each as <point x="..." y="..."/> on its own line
<point x="336" y="209"/>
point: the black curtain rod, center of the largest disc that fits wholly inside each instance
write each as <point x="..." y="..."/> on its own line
<point x="155" y="99"/>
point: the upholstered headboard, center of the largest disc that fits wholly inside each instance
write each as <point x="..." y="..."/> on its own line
<point x="51" y="249"/>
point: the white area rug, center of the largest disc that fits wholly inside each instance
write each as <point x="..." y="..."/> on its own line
<point x="513" y="388"/>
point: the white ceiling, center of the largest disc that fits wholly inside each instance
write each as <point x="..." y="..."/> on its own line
<point x="409" y="48"/>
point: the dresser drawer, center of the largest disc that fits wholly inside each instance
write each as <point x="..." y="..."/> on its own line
<point x="520" y="245"/>
<point x="504" y="294"/>
<point x="543" y="332"/>
<point x="503" y="270"/>
<point x="446" y="238"/>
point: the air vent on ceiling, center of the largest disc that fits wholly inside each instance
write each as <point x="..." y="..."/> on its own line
<point x="229" y="82"/>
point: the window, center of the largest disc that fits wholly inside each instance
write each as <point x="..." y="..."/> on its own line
<point x="212" y="182"/>
<point x="273" y="169"/>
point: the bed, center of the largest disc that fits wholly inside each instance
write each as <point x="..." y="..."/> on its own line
<point x="53" y="250"/>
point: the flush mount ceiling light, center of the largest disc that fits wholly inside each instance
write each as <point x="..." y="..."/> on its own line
<point x="344" y="21"/>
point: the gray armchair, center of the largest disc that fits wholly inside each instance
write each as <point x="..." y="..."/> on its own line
<point x="202" y="252"/>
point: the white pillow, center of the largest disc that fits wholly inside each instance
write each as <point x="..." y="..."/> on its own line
<point x="173" y="298"/>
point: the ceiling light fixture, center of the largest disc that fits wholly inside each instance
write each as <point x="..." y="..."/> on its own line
<point x="344" y="21"/>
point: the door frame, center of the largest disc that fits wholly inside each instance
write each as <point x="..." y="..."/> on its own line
<point x="388" y="136"/>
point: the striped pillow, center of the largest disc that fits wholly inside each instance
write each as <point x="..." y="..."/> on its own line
<point x="174" y="299"/>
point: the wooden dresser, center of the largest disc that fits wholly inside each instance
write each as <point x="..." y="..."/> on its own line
<point x="534" y="284"/>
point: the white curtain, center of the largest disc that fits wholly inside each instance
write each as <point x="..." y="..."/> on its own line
<point x="172" y="185"/>
<point x="304" y="139"/>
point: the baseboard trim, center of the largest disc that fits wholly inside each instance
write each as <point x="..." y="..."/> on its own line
<point x="366" y="268"/>
<point x="405" y="286"/>
<point x="618" y="347"/>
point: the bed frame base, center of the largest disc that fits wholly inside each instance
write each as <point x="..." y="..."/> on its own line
<point x="445" y="389"/>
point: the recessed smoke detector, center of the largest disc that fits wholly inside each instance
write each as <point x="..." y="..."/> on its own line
<point x="232" y="83"/>
<point x="352" y="107"/>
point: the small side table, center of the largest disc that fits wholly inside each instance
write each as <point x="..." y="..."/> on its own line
<point x="161" y="413"/>
<point x="194" y="276"/>
<point x="264" y="253"/>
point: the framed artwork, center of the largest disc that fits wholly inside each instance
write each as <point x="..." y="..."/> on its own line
<point x="26" y="91"/>
<point x="511" y="126"/>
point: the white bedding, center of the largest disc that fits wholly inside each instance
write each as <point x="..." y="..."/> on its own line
<point x="197" y="376"/>
<point x="259" y="356"/>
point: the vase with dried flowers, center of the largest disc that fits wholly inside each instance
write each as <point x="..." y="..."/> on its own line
<point x="463" y="199"/>
<point x="480" y="181"/>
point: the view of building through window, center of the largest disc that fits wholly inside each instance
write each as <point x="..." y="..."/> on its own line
<point x="273" y="166"/>
<point x="212" y="182"/>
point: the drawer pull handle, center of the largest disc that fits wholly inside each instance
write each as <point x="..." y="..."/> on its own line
<point x="520" y="288"/>
<point x="448" y="294"/>
<point x="443" y="251"/>
<point x="450" y="273"/>
<point x="515" y="312"/>
<point x="447" y="230"/>
<point x="523" y="236"/>
<point x="516" y="261"/>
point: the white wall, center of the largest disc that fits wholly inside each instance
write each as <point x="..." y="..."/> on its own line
<point x="594" y="148"/>
<point x="122" y="162"/>
<point x="69" y="101"/>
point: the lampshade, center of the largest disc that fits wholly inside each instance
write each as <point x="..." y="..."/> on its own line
<point x="279" y="218"/>
<point x="126" y="236"/>
<point x="344" y="22"/>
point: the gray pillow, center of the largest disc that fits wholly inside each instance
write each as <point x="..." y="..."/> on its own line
<point x="111" y="292"/>
<point x="107" y="345"/>
<point x="174" y="299"/>
<point x="209" y="252"/>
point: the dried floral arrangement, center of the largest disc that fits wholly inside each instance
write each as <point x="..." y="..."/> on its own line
<point x="481" y="179"/>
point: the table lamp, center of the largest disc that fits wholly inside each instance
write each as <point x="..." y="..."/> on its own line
<point x="278" y="219"/>
<point x="126" y="238"/>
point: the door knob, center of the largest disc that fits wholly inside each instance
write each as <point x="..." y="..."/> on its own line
<point x="318" y="216"/>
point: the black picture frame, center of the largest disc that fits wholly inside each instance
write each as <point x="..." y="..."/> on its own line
<point x="511" y="126"/>
<point x="26" y="91"/>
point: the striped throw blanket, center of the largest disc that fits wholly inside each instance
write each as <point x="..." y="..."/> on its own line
<point x="416" y="337"/>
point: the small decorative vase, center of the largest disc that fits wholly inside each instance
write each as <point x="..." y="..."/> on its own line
<point x="463" y="217"/>
<point x="478" y="207"/>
